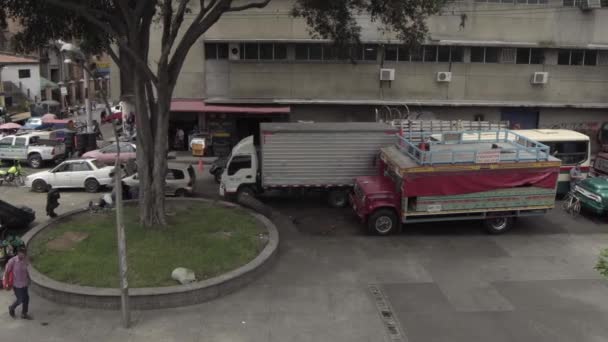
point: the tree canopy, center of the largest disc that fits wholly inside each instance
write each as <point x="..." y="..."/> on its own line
<point x="123" y="29"/>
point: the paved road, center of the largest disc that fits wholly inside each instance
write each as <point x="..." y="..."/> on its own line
<point x="446" y="282"/>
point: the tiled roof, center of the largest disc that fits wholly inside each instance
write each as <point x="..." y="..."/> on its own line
<point x="10" y="59"/>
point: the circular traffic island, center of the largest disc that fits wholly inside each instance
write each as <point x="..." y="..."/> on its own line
<point x="74" y="258"/>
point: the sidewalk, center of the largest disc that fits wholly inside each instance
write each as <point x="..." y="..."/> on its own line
<point x="187" y="158"/>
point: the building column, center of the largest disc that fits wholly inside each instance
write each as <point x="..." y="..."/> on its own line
<point x="72" y="92"/>
<point x="48" y="93"/>
<point x="81" y="93"/>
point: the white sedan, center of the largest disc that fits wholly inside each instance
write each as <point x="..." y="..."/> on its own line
<point x="89" y="174"/>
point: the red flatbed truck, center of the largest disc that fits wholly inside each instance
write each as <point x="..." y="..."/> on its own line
<point x="493" y="176"/>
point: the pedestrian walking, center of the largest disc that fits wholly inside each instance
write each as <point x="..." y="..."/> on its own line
<point x="97" y="130"/>
<point x="17" y="265"/>
<point x="52" y="201"/>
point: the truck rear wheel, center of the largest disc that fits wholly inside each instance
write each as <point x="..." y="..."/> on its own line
<point x="498" y="225"/>
<point x="337" y="198"/>
<point x="34" y="160"/>
<point x="383" y="222"/>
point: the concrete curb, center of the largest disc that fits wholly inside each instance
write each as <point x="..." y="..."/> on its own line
<point x="155" y="297"/>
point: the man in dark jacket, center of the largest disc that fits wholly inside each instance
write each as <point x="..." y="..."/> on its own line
<point x="52" y="201"/>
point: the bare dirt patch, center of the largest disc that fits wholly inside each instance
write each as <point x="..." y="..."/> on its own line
<point x="66" y="241"/>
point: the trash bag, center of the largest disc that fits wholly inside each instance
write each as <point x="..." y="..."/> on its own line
<point x="183" y="275"/>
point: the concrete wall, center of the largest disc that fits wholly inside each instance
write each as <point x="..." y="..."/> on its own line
<point x="505" y="24"/>
<point x="10" y="73"/>
<point x="413" y="81"/>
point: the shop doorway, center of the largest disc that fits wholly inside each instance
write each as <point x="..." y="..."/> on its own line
<point x="250" y="126"/>
<point x="520" y="118"/>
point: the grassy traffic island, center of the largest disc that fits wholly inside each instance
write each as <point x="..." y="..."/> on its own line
<point x="204" y="237"/>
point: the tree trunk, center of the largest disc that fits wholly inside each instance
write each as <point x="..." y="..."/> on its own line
<point x="151" y="188"/>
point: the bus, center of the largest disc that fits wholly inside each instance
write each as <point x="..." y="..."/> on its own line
<point x="570" y="147"/>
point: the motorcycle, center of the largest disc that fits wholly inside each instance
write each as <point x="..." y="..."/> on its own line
<point x="14" y="174"/>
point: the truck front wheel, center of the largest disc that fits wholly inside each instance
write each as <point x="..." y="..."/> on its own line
<point x="35" y="161"/>
<point x="498" y="225"/>
<point x="383" y="222"/>
<point x="337" y="198"/>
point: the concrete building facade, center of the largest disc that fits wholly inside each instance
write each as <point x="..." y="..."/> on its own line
<point x="20" y="78"/>
<point x="536" y="63"/>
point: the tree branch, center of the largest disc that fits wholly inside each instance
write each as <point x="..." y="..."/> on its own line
<point x="199" y="26"/>
<point x="124" y="8"/>
<point x="87" y="13"/>
<point x="178" y="19"/>
<point x="260" y="4"/>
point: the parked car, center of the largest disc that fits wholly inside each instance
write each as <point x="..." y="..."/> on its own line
<point x="90" y="174"/>
<point x="33" y="124"/>
<point x="31" y="148"/>
<point x="178" y="182"/>
<point x="15" y="217"/>
<point x="107" y="154"/>
<point x="115" y="116"/>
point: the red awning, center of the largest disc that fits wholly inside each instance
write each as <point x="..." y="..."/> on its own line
<point x="199" y="106"/>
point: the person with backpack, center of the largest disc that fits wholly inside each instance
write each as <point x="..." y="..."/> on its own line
<point x="16" y="269"/>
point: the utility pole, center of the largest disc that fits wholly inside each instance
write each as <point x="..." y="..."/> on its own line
<point x="120" y="233"/>
<point x="87" y="97"/>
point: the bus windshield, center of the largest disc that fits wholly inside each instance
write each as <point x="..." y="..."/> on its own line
<point x="569" y="152"/>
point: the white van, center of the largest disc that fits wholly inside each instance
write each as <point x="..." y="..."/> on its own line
<point x="570" y="147"/>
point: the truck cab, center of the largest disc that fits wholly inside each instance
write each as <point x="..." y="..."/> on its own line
<point x="376" y="196"/>
<point x="240" y="173"/>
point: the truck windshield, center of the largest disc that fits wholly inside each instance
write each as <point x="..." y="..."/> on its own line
<point x="569" y="152"/>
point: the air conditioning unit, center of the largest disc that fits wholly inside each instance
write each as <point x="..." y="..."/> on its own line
<point x="444" y="76"/>
<point x="587" y="5"/>
<point x="234" y="51"/>
<point x="540" y="78"/>
<point x="387" y="74"/>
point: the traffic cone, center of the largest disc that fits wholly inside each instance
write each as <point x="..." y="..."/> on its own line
<point x="200" y="165"/>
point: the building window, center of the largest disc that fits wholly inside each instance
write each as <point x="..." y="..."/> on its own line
<point x="429" y="53"/>
<point x="216" y="51"/>
<point x="529" y="56"/>
<point x="280" y="52"/>
<point x="250" y="51"/>
<point x="478" y="54"/>
<point x="391" y="53"/>
<point x="484" y="54"/>
<point x="602" y="58"/>
<point x="24" y="73"/>
<point x="443" y="53"/>
<point x="315" y="52"/>
<point x="370" y="52"/>
<point x="302" y="52"/>
<point x="263" y="51"/>
<point x="537" y="56"/>
<point x="577" y="57"/>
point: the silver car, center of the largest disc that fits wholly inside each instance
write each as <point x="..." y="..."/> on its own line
<point x="178" y="182"/>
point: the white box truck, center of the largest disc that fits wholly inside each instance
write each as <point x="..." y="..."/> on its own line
<point x="323" y="157"/>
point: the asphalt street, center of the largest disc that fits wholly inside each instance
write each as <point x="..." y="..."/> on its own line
<point x="432" y="283"/>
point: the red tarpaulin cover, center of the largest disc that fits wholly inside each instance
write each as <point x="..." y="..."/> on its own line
<point x="459" y="183"/>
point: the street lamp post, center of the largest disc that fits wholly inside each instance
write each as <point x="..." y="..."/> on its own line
<point x="120" y="228"/>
